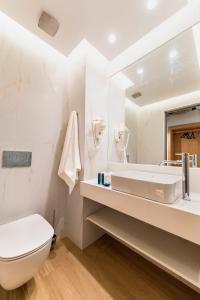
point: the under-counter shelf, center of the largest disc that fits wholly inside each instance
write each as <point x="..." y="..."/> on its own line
<point x="181" y="218"/>
<point x="175" y="255"/>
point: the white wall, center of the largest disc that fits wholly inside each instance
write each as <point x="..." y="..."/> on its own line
<point x="38" y="89"/>
<point x="95" y="159"/>
<point x="116" y="116"/>
<point x="96" y="105"/>
<point x="131" y="121"/>
<point x="33" y="117"/>
<point x="76" y="96"/>
<point x="151" y="127"/>
<point x="88" y="95"/>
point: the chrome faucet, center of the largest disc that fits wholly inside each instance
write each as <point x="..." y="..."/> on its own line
<point x="185" y="161"/>
<point x="194" y="160"/>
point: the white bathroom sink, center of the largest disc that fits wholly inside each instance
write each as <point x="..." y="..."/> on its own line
<point x="154" y="186"/>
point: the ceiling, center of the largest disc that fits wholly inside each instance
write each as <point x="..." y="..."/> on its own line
<point x="92" y="20"/>
<point x="170" y="71"/>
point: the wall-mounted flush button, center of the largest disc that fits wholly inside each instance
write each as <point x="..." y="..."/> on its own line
<point x="12" y="159"/>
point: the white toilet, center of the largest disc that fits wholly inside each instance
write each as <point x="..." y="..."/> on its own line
<point x="24" y="246"/>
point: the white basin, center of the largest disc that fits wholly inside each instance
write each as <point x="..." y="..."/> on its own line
<point x="154" y="186"/>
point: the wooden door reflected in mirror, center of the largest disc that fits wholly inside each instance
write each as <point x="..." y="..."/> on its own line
<point x="184" y="138"/>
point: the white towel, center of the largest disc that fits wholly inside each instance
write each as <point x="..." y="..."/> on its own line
<point x="70" y="163"/>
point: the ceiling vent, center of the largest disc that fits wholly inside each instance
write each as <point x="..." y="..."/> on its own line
<point x="48" y="24"/>
<point x="136" y="95"/>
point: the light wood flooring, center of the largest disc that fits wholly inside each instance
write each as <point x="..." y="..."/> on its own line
<point x="106" y="270"/>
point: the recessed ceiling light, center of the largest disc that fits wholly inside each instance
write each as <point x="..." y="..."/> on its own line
<point x="151" y="4"/>
<point x="173" y="54"/>
<point x="112" y="38"/>
<point x="140" y="71"/>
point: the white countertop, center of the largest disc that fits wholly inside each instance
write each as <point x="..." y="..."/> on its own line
<point x="181" y="218"/>
<point x="192" y="206"/>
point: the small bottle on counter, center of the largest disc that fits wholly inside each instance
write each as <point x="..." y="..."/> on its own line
<point x="99" y="178"/>
<point x="104" y="179"/>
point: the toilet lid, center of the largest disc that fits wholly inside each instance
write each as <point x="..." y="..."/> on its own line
<point x="24" y="236"/>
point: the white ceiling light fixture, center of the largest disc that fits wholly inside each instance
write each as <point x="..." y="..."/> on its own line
<point x="140" y="71"/>
<point x="112" y="38"/>
<point x="173" y="54"/>
<point x="151" y="4"/>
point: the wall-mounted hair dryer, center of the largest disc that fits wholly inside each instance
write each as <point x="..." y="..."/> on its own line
<point x="98" y="127"/>
<point x="122" y="135"/>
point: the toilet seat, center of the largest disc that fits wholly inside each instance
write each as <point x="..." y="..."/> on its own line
<point x="24" y="237"/>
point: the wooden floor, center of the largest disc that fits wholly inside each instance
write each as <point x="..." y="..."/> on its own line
<point x="106" y="270"/>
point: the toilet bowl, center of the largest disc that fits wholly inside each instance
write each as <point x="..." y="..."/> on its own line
<point x="24" y="246"/>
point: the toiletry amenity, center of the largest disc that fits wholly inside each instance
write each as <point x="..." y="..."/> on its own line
<point x="99" y="178"/>
<point x="107" y="178"/>
<point x="104" y="179"/>
<point x="106" y="184"/>
<point x="70" y="163"/>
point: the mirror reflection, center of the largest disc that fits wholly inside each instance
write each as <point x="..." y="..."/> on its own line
<point x="160" y="114"/>
<point x="183" y="133"/>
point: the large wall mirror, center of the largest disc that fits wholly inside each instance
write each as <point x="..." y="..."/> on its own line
<point x="160" y="105"/>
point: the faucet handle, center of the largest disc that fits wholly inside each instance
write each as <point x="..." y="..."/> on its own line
<point x="192" y="158"/>
<point x="184" y="153"/>
<point x="190" y="155"/>
<point x="178" y="154"/>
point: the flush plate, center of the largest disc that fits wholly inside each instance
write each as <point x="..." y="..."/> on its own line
<point x="13" y="159"/>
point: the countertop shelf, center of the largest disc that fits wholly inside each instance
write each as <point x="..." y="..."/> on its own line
<point x="177" y="256"/>
<point x="181" y="218"/>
